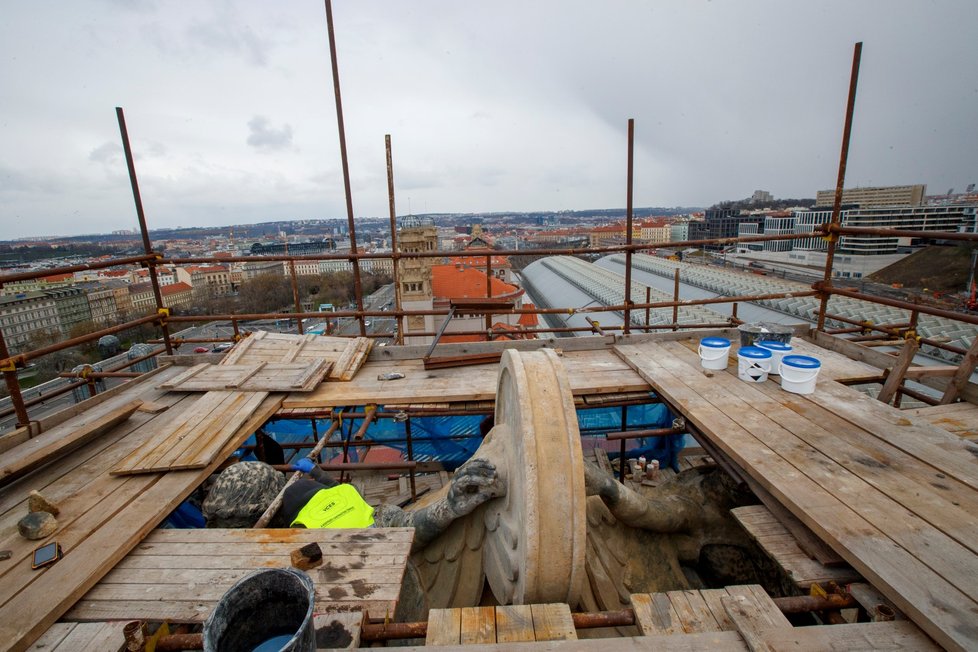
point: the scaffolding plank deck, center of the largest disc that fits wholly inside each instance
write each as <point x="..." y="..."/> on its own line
<point x="256" y="377"/>
<point x="590" y="372"/>
<point x="102" y="516"/>
<point x="775" y="539"/>
<point x="501" y="624"/>
<point x="839" y="465"/>
<point x="82" y="637"/>
<point x="677" y="612"/>
<point x="347" y="354"/>
<point x="193" y="439"/>
<point x="181" y="574"/>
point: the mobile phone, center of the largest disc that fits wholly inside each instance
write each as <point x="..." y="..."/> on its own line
<point x="46" y="555"/>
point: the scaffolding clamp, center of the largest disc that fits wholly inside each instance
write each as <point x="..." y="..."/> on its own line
<point x="9" y="365"/>
<point x="164" y="313"/>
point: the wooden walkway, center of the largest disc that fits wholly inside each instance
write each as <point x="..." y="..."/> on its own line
<point x="503" y="624"/>
<point x="102" y="516"/>
<point x="896" y="498"/>
<point x="179" y="575"/>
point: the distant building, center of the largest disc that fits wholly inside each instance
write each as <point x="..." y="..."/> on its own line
<point x="177" y="295"/>
<point x="37" y="284"/>
<point x="877" y="196"/>
<point x="26" y="314"/>
<point x="721" y="223"/>
<point x="206" y="280"/>
<point x="417" y="235"/>
<point x="252" y="269"/>
<point x="324" y="246"/>
<point x="679" y="231"/>
<point x="761" y="196"/>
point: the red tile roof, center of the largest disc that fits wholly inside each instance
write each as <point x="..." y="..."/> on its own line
<point x="451" y="282"/>
<point x="528" y="320"/>
<point x="175" y="288"/>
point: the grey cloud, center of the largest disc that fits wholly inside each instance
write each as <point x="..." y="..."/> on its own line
<point x="106" y="153"/>
<point x="264" y="137"/>
<point x="223" y="37"/>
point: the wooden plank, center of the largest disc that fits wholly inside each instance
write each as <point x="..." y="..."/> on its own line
<point x="552" y="622"/>
<point x="654" y="614"/>
<point x="712" y="598"/>
<point x="694" y="614"/>
<point x="312" y="376"/>
<point x="52" y="445"/>
<point x="245" y="374"/>
<point x="444" y="627"/>
<point x="762" y="606"/>
<point x="296" y="348"/>
<point x="897" y="372"/>
<point x="936" y="604"/>
<point x="514" y="623"/>
<point x="747" y="620"/>
<point x="16" y="437"/>
<point x="185" y="376"/>
<point x="961" y="378"/>
<point x="478" y="625"/>
<point x="870" y="599"/>
<point x="193" y="442"/>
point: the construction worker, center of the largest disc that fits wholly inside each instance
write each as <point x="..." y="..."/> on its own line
<point x="320" y="502"/>
<point x="243" y="491"/>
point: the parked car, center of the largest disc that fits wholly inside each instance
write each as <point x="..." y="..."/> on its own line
<point x="201" y="349"/>
<point x="222" y="347"/>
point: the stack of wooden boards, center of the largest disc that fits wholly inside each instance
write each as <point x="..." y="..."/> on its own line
<point x="235" y="388"/>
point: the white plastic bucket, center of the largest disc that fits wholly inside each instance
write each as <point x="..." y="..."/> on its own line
<point x="753" y="364"/>
<point x="778" y="350"/>
<point x="798" y="373"/>
<point x="714" y="352"/>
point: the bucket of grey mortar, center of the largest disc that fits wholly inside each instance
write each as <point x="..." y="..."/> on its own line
<point x="263" y="605"/>
<point x="751" y="334"/>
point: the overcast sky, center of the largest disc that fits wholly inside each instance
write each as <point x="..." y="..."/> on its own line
<point x="492" y="106"/>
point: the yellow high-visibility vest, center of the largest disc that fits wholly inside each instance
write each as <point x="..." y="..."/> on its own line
<point x="337" y="507"/>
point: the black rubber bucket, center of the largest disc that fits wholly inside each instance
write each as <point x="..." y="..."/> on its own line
<point x="269" y="610"/>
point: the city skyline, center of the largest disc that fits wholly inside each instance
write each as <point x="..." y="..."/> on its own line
<point x="491" y="109"/>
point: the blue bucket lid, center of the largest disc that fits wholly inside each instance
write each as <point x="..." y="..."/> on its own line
<point x="801" y="361"/>
<point x="754" y="352"/>
<point x="715" y="342"/>
<point x="773" y="345"/>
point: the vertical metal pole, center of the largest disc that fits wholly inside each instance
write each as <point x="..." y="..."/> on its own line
<point x="410" y="454"/>
<point x="295" y="294"/>
<point x="488" y="292"/>
<point x="13" y="386"/>
<point x="141" y="216"/>
<point x="626" y="328"/>
<point x="675" y="297"/>
<point x="357" y="286"/>
<point x="395" y="257"/>
<point x="833" y="237"/>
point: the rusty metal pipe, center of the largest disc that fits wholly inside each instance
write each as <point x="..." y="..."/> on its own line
<point x="628" y="224"/>
<point x="13" y="386"/>
<point x="344" y="160"/>
<point x="840" y="184"/>
<point x="356" y="466"/>
<point x="796" y="604"/>
<point x="143" y="229"/>
<point x="902" y="233"/>
<point x="395" y="263"/>
<point x="180" y="642"/>
<point x="639" y="434"/>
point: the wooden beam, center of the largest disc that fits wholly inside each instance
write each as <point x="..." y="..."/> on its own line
<point x="961" y="377"/>
<point x="895" y="378"/>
